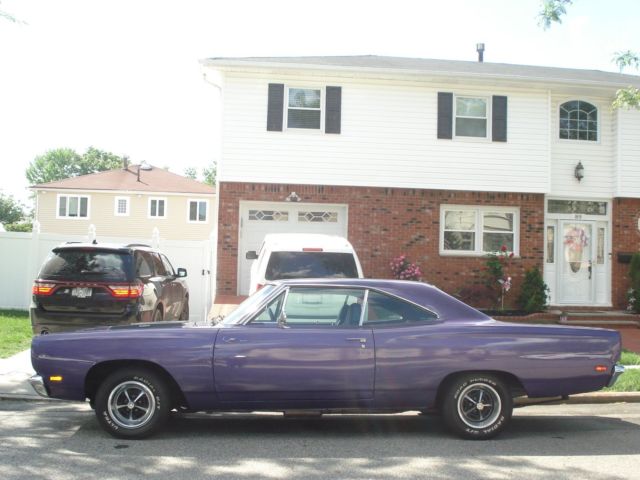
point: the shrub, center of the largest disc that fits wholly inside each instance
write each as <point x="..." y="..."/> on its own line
<point x="534" y="292"/>
<point x="633" y="295"/>
<point x="497" y="281"/>
<point x="401" y="269"/>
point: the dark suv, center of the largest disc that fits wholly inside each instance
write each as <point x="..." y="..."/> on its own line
<point x="87" y="285"/>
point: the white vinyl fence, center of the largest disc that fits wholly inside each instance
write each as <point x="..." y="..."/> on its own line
<point x="22" y="255"/>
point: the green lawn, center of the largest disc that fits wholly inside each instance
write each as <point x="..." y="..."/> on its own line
<point x="629" y="358"/>
<point x="15" y="332"/>
<point x="629" y="381"/>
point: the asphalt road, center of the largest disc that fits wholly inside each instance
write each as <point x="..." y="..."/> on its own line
<point x="63" y="441"/>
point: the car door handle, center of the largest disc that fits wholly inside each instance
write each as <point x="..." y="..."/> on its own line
<point x="357" y="339"/>
<point x="233" y="340"/>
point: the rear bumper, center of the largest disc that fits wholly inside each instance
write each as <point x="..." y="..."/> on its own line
<point x="53" y="322"/>
<point x="38" y="385"/>
<point x="617" y="371"/>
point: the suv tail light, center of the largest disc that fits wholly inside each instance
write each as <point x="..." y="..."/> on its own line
<point x="42" y="288"/>
<point x="133" y="290"/>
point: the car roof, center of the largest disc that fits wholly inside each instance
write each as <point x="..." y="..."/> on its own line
<point x="120" y="247"/>
<point x="298" y="241"/>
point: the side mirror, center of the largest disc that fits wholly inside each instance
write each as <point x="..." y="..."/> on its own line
<point x="182" y="272"/>
<point x="251" y="255"/>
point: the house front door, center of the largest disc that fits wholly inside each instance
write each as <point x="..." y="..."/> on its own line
<point x="576" y="261"/>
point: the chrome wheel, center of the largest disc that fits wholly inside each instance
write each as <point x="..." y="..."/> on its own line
<point x="131" y="404"/>
<point x="479" y="405"/>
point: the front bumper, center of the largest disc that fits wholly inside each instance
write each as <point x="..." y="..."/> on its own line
<point x="38" y="385"/>
<point x="617" y="371"/>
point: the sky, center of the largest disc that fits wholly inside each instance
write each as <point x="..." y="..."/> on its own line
<point x="123" y="75"/>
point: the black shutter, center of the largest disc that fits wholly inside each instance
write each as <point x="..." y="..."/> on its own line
<point x="445" y="115"/>
<point x="275" y="107"/>
<point x="499" y="119"/>
<point x="333" y="105"/>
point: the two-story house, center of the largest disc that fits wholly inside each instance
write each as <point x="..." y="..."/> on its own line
<point x="133" y="201"/>
<point x="443" y="161"/>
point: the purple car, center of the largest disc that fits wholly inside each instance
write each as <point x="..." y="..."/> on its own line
<point x="326" y="346"/>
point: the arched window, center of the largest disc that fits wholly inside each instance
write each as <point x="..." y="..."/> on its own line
<point x="578" y="121"/>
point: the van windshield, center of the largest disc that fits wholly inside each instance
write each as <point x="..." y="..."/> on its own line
<point x="285" y="265"/>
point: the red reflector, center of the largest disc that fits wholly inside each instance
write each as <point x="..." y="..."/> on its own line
<point x="126" y="291"/>
<point x="42" y="288"/>
<point x="601" y="368"/>
<point x="311" y="249"/>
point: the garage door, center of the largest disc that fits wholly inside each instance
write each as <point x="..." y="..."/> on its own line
<point x="258" y="219"/>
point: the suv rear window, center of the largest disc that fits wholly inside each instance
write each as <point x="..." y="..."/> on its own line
<point x="87" y="265"/>
<point x="283" y="265"/>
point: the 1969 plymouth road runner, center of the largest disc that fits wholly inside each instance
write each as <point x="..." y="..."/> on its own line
<point x="326" y="346"/>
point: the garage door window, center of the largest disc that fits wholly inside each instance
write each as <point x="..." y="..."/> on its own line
<point x="319" y="216"/>
<point x="269" y="215"/>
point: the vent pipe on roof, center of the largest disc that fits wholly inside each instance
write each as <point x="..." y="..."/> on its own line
<point x="125" y="163"/>
<point x="138" y="172"/>
<point x="480" y="50"/>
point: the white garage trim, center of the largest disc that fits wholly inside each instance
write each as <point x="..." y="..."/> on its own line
<point x="282" y="217"/>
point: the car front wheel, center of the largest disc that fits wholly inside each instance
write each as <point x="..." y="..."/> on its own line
<point x="476" y="406"/>
<point x="132" y="403"/>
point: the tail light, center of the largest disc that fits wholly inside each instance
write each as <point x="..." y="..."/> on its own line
<point x="43" y="288"/>
<point x="133" y="290"/>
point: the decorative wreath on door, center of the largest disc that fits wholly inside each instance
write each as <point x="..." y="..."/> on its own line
<point x="575" y="241"/>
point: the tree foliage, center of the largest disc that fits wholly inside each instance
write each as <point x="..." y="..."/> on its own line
<point x="552" y="12"/>
<point x="208" y="174"/>
<point x="65" y="163"/>
<point x="534" y="292"/>
<point x="11" y="211"/>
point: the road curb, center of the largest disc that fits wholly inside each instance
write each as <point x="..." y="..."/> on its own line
<point x="27" y="398"/>
<point x="604" y="397"/>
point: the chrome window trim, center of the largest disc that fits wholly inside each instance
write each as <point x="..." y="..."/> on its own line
<point x="365" y="299"/>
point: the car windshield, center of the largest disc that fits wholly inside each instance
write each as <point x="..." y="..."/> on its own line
<point x="250" y="305"/>
<point x="83" y="265"/>
<point x="284" y="265"/>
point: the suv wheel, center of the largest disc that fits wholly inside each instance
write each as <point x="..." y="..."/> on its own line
<point x="157" y="315"/>
<point x="184" y="315"/>
<point x="132" y="403"/>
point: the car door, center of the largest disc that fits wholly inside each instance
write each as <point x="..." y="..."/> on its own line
<point x="164" y="287"/>
<point x="306" y="347"/>
<point x="177" y="288"/>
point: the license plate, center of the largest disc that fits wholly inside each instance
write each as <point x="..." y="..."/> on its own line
<point x="81" y="292"/>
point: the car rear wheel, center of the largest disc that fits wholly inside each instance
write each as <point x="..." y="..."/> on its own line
<point x="476" y="406"/>
<point x="132" y="403"/>
<point x="184" y="315"/>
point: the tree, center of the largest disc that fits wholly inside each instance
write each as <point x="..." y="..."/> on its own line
<point x="629" y="97"/>
<point x="191" y="172"/>
<point x="209" y="174"/>
<point x="65" y="163"/>
<point x="8" y="16"/>
<point x="11" y="211"/>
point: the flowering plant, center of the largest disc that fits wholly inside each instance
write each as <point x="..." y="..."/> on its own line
<point x="401" y="269"/>
<point x="496" y="265"/>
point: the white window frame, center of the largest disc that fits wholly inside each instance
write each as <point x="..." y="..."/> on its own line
<point x="598" y="121"/>
<point x="198" y="201"/>
<point x="68" y="196"/>
<point x="286" y="109"/>
<point x="115" y="206"/>
<point x="479" y="211"/>
<point x="487" y="99"/>
<point x="166" y="209"/>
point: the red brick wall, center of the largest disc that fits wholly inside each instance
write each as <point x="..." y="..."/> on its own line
<point x="625" y="238"/>
<point x="386" y="222"/>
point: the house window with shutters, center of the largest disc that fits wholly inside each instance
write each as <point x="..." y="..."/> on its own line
<point x="471" y="117"/>
<point x="73" y="206"/>
<point x="304" y="108"/>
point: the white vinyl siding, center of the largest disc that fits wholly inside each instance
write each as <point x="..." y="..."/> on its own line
<point x="388" y="139"/>
<point x="473" y="230"/>
<point x="121" y="206"/>
<point x="73" y="207"/>
<point x="628" y="154"/>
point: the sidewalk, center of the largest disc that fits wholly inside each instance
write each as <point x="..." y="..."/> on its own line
<point x="14" y="375"/>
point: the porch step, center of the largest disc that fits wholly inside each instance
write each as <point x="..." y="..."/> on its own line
<point x="600" y="318"/>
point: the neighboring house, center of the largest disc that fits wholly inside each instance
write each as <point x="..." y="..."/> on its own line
<point x="443" y="161"/>
<point x="127" y="202"/>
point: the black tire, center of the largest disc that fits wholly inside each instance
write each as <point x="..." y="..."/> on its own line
<point x="476" y="406"/>
<point x="184" y="315"/>
<point x="121" y="419"/>
<point x="157" y="315"/>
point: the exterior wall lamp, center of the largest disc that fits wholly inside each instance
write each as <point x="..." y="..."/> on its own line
<point x="579" y="171"/>
<point x="293" y="197"/>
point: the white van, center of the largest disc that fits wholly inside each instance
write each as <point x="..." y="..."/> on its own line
<point x="302" y="255"/>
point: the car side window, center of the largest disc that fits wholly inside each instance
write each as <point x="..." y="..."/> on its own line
<point x="323" y="307"/>
<point x="143" y="265"/>
<point x="270" y="313"/>
<point x="167" y="265"/>
<point x="158" y="265"/>
<point x="384" y="310"/>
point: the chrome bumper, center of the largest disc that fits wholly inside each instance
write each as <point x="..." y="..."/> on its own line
<point x="617" y="371"/>
<point x="38" y="385"/>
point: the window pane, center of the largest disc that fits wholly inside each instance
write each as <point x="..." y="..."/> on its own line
<point x="493" y="242"/>
<point x="271" y="312"/>
<point x="464" y="241"/>
<point x="161" y="208"/>
<point x="578" y="121"/>
<point x="84" y="206"/>
<point x="62" y="209"/>
<point x="73" y="206"/>
<point x="193" y="211"/>
<point x="202" y="212"/>
<point x="167" y="265"/>
<point x="143" y="265"/>
<point x="459" y="220"/>
<point x="284" y="265"/>
<point x="303" y="118"/>
<point x="600" y="250"/>
<point x="471" y="107"/>
<point x="471" y="127"/>
<point x="324" y="306"/>
<point x="304" y="98"/>
<point x="83" y="265"/>
<point x="385" y="310"/>
<point x="154" y="208"/>
<point x="122" y="205"/>
<point x="551" y="244"/>
<point x="498" y="222"/>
